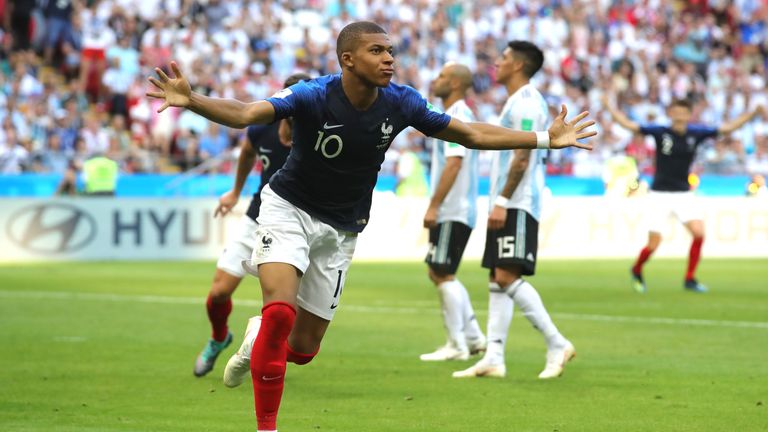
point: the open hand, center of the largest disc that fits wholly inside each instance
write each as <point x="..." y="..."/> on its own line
<point x="176" y="91"/>
<point x="566" y="134"/>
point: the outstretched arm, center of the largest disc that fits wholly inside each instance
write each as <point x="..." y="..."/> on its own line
<point x="739" y="121"/>
<point x="619" y="116"/>
<point x="229" y="112"/>
<point x="485" y="136"/>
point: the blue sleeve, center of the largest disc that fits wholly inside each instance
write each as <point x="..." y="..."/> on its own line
<point x="421" y="114"/>
<point x="703" y="132"/>
<point x="654" y="130"/>
<point x="293" y="100"/>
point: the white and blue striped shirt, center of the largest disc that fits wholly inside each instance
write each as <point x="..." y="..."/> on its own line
<point x="460" y="203"/>
<point x="525" y="110"/>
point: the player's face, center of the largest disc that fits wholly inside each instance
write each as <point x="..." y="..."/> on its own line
<point x="505" y="65"/>
<point x="441" y="86"/>
<point x="679" y="114"/>
<point x="373" y="59"/>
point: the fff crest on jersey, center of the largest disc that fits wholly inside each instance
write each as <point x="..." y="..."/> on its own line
<point x="386" y="134"/>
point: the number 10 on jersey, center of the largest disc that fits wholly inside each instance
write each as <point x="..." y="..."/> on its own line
<point x="327" y="145"/>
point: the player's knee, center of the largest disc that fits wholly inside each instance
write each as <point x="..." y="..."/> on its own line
<point x="277" y="319"/>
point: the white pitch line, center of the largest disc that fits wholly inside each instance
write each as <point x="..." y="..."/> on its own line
<point x="68" y="295"/>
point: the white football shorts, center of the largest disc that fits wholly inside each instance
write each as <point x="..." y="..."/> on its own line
<point x="287" y="234"/>
<point x="661" y="205"/>
<point x="239" y="248"/>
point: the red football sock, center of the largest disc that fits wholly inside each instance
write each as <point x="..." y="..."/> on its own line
<point x="641" y="259"/>
<point x="268" y="361"/>
<point x="693" y="257"/>
<point x="299" y="358"/>
<point x="217" y="315"/>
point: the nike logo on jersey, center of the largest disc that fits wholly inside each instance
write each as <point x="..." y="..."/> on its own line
<point x="266" y="378"/>
<point x="334" y="306"/>
<point x="264" y="150"/>
<point x="326" y="126"/>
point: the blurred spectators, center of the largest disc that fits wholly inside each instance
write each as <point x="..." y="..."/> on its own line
<point x="73" y="71"/>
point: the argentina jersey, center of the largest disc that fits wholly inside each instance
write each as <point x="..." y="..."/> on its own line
<point x="525" y="110"/>
<point x="461" y="202"/>
<point x="338" y="150"/>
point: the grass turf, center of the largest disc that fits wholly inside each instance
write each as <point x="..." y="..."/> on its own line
<point x="110" y="347"/>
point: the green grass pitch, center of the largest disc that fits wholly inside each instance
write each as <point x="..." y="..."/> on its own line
<point x="110" y="347"/>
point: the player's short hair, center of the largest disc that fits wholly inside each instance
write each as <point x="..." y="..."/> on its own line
<point x="293" y="79"/>
<point x="350" y="35"/>
<point x="681" y="102"/>
<point x="530" y="54"/>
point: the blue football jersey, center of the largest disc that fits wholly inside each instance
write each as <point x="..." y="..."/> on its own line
<point x="674" y="154"/>
<point x="338" y="150"/>
<point x="266" y="142"/>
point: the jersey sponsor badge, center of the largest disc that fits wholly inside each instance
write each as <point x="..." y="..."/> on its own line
<point x="526" y="124"/>
<point x="282" y="94"/>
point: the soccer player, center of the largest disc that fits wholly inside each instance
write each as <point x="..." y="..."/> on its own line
<point x="314" y="207"/>
<point x="670" y="191"/>
<point x="264" y="142"/>
<point x="517" y="183"/>
<point x="450" y="219"/>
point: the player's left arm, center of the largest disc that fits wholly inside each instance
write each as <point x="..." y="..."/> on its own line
<point x="228" y="200"/>
<point x="739" y="121"/>
<point x="485" y="136"/>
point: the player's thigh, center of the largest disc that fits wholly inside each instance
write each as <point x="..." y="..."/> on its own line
<point x="657" y="210"/>
<point x="688" y="211"/>
<point x="323" y="283"/>
<point x="238" y="249"/>
<point x="447" y="242"/>
<point x="223" y="285"/>
<point x="282" y="235"/>
<point x="516" y="244"/>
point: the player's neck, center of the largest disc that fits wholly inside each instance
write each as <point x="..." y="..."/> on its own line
<point x="361" y="95"/>
<point x="515" y="83"/>
<point x="452" y="99"/>
<point x="679" y="128"/>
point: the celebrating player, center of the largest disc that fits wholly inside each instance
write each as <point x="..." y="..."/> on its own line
<point x="450" y="219"/>
<point x="517" y="182"/>
<point x="272" y="150"/>
<point x="315" y="206"/>
<point x="670" y="191"/>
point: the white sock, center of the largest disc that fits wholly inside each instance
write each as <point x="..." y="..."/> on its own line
<point x="500" y="309"/>
<point x="471" y="327"/>
<point x="529" y="301"/>
<point x="453" y="316"/>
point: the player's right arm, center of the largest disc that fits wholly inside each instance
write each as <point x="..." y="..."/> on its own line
<point x="620" y="117"/>
<point x="229" y="112"/>
<point x="245" y="162"/>
<point x="444" y="185"/>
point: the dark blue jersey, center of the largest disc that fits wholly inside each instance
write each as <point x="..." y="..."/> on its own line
<point x="674" y="154"/>
<point x="265" y="141"/>
<point x="338" y="150"/>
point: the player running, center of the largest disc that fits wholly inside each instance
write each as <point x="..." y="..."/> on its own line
<point x="264" y="142"/>
<point x="315" y="206"/>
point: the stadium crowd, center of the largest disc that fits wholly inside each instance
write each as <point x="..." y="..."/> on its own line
<point x="73" y="72"/>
